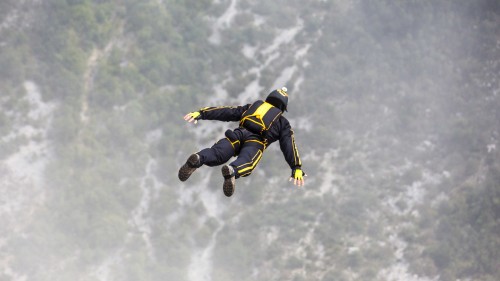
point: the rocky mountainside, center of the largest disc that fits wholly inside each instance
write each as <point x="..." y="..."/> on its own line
<point x="394" y="105"/>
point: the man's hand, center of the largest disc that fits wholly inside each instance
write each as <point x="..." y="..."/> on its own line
<point x="192" y="116"/>
<point x="298" y="177"/>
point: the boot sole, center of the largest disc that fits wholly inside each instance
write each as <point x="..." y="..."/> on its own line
<point x="229" y="183"/>
<point x="186" y="170"/>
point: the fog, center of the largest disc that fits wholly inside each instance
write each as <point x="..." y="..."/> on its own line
<point x="394" y="107"/>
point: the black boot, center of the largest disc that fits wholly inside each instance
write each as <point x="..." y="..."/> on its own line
<point x="192" y="163"/>
<point x="229" y="180"/>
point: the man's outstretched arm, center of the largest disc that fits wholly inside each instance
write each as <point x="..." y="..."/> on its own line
<point x="221" y="113"/>
<point x="291" y="153"/>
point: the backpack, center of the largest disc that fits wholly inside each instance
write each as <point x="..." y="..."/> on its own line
<point x="259" y="117"/>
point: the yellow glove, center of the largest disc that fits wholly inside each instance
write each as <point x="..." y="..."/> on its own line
<point x="298" y="176"/>
<point x="192" y="116"/>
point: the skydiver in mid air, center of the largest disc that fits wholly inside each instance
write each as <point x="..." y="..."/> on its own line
<point x="260" y="124"/>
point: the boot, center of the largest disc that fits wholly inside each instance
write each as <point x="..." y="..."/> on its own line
<point x="229" y="180"/>
<point x="192" y="163"/>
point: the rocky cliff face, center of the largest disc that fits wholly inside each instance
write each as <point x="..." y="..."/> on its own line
<point x="394" y="107"/>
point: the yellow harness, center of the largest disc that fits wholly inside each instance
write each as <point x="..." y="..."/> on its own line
<point x="259" y="117"/>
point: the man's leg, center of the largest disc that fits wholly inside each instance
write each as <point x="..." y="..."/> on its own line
<point x="250" y="155"/>
<point x="218" y="154"/>
<point x="192" y="163"/>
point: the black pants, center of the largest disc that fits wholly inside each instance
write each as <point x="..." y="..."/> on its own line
<point x="248" y="148"/>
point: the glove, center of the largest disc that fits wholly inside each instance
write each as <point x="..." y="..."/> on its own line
<point x="298" y="176"/>
<point x="192" y="116"/>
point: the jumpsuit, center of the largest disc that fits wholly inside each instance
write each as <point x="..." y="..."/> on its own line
<point x="248" y="147"/>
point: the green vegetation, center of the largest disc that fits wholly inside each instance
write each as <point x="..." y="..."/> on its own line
<point x="399" y="93"/>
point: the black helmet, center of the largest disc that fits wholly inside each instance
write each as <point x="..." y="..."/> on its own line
<point x="278" y="98"/>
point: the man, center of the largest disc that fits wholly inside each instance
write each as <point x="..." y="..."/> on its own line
<point x="261" y="123"/>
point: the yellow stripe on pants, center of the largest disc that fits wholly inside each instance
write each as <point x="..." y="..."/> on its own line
<point x="254" y="162"/>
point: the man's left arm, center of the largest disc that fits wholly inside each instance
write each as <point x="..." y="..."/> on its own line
<point x="221" y="113"/>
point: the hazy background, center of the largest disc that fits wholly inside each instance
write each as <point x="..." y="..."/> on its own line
<point x="394" y="104"/>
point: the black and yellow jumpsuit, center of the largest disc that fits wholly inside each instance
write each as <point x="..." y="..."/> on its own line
<point x="247" y="146"/>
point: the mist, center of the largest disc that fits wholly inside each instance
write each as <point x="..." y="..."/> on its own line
<point x="394" y="107"/>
